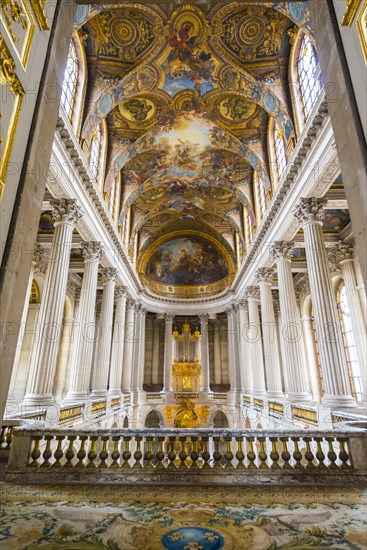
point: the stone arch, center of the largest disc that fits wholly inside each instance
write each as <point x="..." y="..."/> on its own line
<point x="220" y="420"/>
<point x="153" y="419"/>
<point x="125" y="423"/>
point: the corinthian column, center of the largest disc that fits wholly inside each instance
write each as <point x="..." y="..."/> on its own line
<point x="254" y="338"/>
<point x="291" y="333"/>
<point x="343" y="254"/>
<point x="139" y="354"/>
<point x="217" y="357"/>
<point x="130" y="338"/>
<point x="271" y="349"/>
<point x="168" y="317"/>
<point x="118" y="342"/>
<point x="234" y="374"/>
<point x="80" y="373"/>
<point x="205" y="386"/>
<point x="102" y="364"/>
<point x="65" y="213"/>
<point x="330" y="342"/>
<point x="155" y="353"/>
<point x="244" y="348"/>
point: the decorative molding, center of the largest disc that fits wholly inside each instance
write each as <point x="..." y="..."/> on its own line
<point x="39" y="12"/>
<point x="9" y="78"/>
<point x="16" y="12"/>
<point x="350" y="13"/>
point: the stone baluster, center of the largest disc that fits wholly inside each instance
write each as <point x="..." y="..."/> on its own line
<point x="130" y="339"/>
<point x="343" y="253"/>
<point x="102" y="364"/>
<point x="264" y="277"/>
<point x="330" y="342"/>
<point x="291" y="331"/>
<point x="118" y="342"/>
<point x="255" y="341"/>
<point x="168" y="350"/>
<point x="205" y="383"/>
<point x="65" y="213"/>
<point x="85" y="333"/>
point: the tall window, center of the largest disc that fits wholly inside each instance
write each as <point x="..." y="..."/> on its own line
<point x="69" y="85"/>
<point x="261" y="194"/>
<point x="111" y="205"/>
<point x="95" y="153"/>
<point x="346" y="328"/>
<point x="250" y="228"/>
<point x="280" y="153"/>
<point x="309" y="75"/>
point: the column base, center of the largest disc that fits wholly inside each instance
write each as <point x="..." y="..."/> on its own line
<point x="339" y="401"/>
<point x="75" y="397"/>
<point x="114" y="392"/>
<point x="38" y="400"/>
<point x="275" y="395"/>
<point x="302" y="397"/>
<point x="98" y="394"/>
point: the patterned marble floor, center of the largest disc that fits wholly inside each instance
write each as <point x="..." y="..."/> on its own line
<point x="182" y="518"/>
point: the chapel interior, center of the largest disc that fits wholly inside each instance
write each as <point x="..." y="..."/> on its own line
<point x="183" y="245"/>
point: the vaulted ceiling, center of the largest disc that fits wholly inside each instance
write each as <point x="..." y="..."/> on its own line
<point x="187" y="94"/>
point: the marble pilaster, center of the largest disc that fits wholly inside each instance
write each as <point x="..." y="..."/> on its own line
<point x="168" y="352"/>
<point x="130" y="338"/>
<point x="118" y="342"/>
<point x="205" y="383"/>
<point x="255" y="342"/>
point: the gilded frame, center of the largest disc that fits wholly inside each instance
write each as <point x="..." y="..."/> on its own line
<point x="9" y="78"/>
<point x="24" y="50"/>
<point x="362" y="31"/>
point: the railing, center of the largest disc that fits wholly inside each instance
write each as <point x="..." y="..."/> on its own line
<point x="186" y="456"/>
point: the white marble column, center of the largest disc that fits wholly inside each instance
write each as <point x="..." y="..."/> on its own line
<point x="361" y="289"/>
<point x="102" y="364"/>
<point x="168" y="317"/>
<point x="291" y="330"/>
<point x="217" y="355"/>
<point x="205" y="383"/>
<point x="139" y="353"/>
<point x="65" y="213"/>
<point x="80" y="374"/>
<point x="245" y="358"/>
<point x="255" y="340"/>
<point x="130" y="338"/>
<point x="330" y="341"/>
<point x="264" y="277"/>
<point x="118" y="342"/>
<point x="232" y="354"/>
<point x="344" y="256"/>
<point x="155" y="352"/>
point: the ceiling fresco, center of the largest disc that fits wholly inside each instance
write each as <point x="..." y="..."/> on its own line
<point x="187" y="93"/>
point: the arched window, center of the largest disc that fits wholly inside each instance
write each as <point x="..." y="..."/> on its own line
<point x="69" y="85"/>
<point x="95" y="153"/>
<point x="348" y="340"/>
<point x="280" y="154"/>
<point x="261" y="195"/>
<point x="309" y="75"/>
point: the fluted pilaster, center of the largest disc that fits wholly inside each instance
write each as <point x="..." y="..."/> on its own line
<point x="244" y="348"/>
<point x="168" y="352"/>
<point x="118" y="342"/>
<point x="130" y="338"/>
<point x="255" y="341"/>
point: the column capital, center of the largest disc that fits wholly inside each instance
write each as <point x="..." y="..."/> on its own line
<point x="168" y="317"/>
<point x="92" y="251"/>
<point x="252" y="292"/>
<point x="204" y="317"/>
<point x="40" y="257"/>
<point x="264" y="275"/>
<point x="309" y="210"/>
<point x="109" y="275"/>
<point x="281" y="250"/>
<point x="242" y="304"/>
<point x="130" y="304"/>
<point x="341" y="252"/>
<point x="66" y="211"/>
<point x="120" y="292"/>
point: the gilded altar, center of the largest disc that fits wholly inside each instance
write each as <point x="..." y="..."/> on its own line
<point x="186" y="365"/>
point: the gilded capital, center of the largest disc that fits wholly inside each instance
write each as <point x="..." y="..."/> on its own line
<point x="309" y="209"/>
<point x="264" y="275"/>
<point x="281" y="250"/>
<point x="92" y="251"/>
<point x="66" y="210"/>
<point x="109" y="275"/>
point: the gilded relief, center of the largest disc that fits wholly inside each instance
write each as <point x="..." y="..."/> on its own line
<point x="19" y="25"/>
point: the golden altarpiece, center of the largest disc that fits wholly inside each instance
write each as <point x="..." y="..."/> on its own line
<point x="186" y="365"/>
